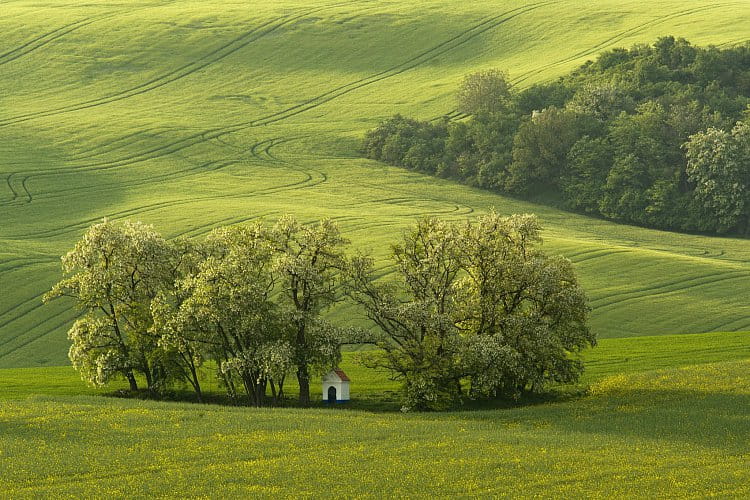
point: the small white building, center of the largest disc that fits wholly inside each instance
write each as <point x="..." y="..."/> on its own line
<point x="335" y="387"/>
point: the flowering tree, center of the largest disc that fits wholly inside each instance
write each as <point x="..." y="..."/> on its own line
<point x="475" y="302"/>
<point x="115" y="271"/>
<point x="308" y="265"/>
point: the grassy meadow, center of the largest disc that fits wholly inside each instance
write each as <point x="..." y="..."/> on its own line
<point x="660" y="418"/>
<point x="196" y="114"/>
<point x="190" y="115"/>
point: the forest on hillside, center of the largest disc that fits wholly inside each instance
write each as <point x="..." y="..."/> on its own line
<point x="655" y="135"/>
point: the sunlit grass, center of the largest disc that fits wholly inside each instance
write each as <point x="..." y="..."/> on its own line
<point x="676" y="432"/>
<point x="191" y="115"/>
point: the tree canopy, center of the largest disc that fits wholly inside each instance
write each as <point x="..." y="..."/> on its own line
<point x="475" y="302"/>
<point x="472" y="304"/>
<point x="617" y="138"/>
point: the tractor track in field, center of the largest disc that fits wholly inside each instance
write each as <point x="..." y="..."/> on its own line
<point x="668" y="288"/>
<point x="658" y="286"/>
<point x="29" y="198"/>
<point x="14" y="309"/>
<point x="183" y="71"/>
<point x="415" y="61"/>
<point x="42" y="40"/>
<point x="740" y="324"/>
<point x="117" y="144"/>
<point x="616" y="38"/>
<point x="308" y="181"/>
<point x="228" y="221"/>
<point x="14" y="193"/>
<point x="196" y="169"/>
<point x="29" y="340"/>
<point x="191" y="140"/>
<point x="452" y="43"/>
<point x="20" y="193"/>
<point x="596" y="254"/>
<point x="264" y="147"/>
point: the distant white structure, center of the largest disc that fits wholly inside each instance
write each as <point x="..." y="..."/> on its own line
<point x="335" y="387"/>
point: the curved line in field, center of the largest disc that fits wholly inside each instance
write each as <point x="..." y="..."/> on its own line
<point x="206" y="60"/>
<point x="207" y="228"/>
<point x="116" y="144"/>
<point x="34" y="338"/>
<point x="12" y="190"/>
<point x="42" y="40"/>
<point x="614" y="39"/>
<point x="597" y="254"/>
<point x="664" y="284"/>
<point x="10" y="265"/>
<point x="14" y="309"/>
<point x="29" y="198"/>
<point x="413" y="62"/>
<point x="196" y="169"/>
<point x="648" y="293"/>
<point x="308" y="181"/>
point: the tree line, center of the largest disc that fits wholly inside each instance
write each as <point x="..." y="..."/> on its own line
<point x="471" y="309"/>
<point x="656" y="135"/>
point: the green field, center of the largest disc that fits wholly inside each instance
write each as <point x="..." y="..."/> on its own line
<point x="196" y="114"/>
<point x="190" y="115"/>
<point x="681" y="430"/>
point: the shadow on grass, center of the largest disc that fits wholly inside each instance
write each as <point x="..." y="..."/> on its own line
<point x="382" y="402"/>
<point x="712" y="419"/>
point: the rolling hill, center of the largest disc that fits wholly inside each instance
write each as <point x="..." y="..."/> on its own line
<point x="191" y="115"/>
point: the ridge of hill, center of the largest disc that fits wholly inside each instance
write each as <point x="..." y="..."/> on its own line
<point x="190" y="115"/>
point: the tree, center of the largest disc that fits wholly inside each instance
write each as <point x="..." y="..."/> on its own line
<point x="541" y="146"/>
<point x="603" y="102"/>
<point x="474" y="302"/>
<point x="309" y="262"/>
<point x="718" y="163"/>
<point x="116" y="270"/>
<point x="483" y="92"/>
<point x="226" y="310"/>
<point x="589" y="161"/>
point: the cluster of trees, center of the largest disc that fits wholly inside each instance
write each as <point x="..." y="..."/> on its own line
<point x="473" y="309"/>
<point x="655" y="135"/>
<point x="247" y="298"/>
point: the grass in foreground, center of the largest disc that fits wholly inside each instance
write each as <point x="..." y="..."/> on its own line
<point x="676" y="432"/>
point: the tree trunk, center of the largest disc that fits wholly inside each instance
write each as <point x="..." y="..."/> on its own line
<point x="303" y="377"/>
<point x="273" y="392"/>
<point x="195" y="383"/>
<point x="131" y="379"/>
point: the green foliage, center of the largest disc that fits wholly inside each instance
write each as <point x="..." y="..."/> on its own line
<point x="116" y="271"/>
<point x="484" y="92"/>
<point x="644" y="102"/>
<point x="719" y="166"/>
<point x="474" y="302"/>
<point x="540" y="149"/>
<point x="121" y="115"/>
<point x="309" y="263"/>
<point x="249" y="298"/>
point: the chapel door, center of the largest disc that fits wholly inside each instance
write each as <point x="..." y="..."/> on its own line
<point x="331" y="394"/>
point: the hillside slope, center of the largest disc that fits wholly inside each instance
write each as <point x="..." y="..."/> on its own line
<point x="191" y="115"/>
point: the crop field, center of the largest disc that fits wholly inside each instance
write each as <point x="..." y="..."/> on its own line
<point x="191" y="115"/>
<point x="679" y="430"/>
